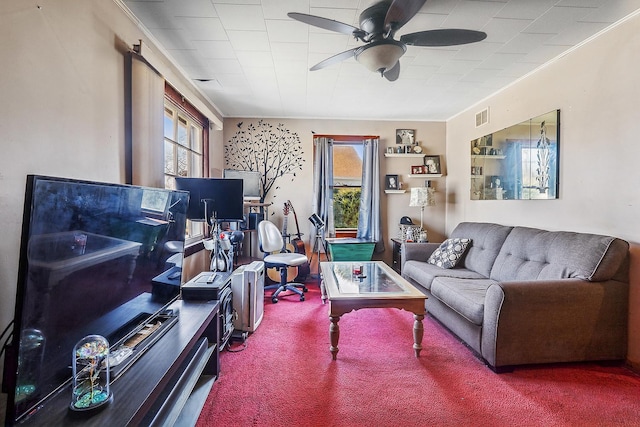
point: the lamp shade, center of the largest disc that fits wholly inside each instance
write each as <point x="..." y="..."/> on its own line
<point x="422" y="196"/>
<point x="380" y="56"/>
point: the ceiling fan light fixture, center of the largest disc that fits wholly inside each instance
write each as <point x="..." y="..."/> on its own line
<point x="380" y="56"/>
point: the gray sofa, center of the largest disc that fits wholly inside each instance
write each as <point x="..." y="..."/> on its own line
<point x="527" y="296"/>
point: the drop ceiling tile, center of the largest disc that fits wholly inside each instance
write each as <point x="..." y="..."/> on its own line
<point x="173" y="39"/>
<point x="557" y="19"/>
<point x="434" y="56"/>
<point x="255" y="59"/>
<point x="287" y="31"/>
<point x="525" y="42"/>
<point x="290" y="52"/>
<point x="209" y="49"/>
<point x="202" y="28"/>
<point x="193" y="8"/>
<point x="613" y="13"/>
<point x="417" y="72"/>
<point x="575" y="34"/>
<point x="478" y="51"/>
<point x="472" y="15"/>
<point x="152" y="14"/>
<point x="278" y="9"/>
<point x="217" y="2"/>
<point x="499" y="61"/>
<point x="223" y="66"/>
<point x="501" y="30"/>
<point x="350" y="4"/>
<point x="249" y="40"/>
<point x="525" y="9"/>
<point x="241" y="17"/>
<point x="232" y="80"/>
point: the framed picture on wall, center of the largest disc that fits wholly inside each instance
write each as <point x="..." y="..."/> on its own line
<point x="432" y="164"/>
<point x="391" y="182"/>
<point x="406" y="136"/>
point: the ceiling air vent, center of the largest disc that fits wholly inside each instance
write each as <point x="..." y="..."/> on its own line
<point x="482" y="118"/>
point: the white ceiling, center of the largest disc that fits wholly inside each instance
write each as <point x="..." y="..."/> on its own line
<point x="257" y="59"/>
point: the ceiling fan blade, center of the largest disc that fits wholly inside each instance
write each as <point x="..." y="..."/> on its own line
<point x="393" y="73"/>
<point x="326" y="24"/>
<point x="335" y="59"/>
<point x="444" y="37"/>
<point x="400" y="12"/>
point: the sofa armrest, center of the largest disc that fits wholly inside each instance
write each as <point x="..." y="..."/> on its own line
<point x="417" y="251"/>
<point x="554" y="321"/>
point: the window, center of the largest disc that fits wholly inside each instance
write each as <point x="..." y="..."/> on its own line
<point x="185" y="146"/>
<point x="347" y="184"/>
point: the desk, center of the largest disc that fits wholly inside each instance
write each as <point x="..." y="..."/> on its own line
<point x="349" y="249"/>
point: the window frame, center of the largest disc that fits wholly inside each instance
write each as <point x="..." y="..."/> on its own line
<point x="195" y="123"/>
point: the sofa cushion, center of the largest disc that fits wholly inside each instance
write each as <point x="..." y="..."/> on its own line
<point x="466" y="297"/>
<point x="423" y="273"/>
<point x="486" y="241"/>
<point x="533" y="254"/>
<point x="449" y="253"/>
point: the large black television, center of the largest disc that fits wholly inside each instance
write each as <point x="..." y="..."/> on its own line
<point x="224" y="197"/>
<point x="93" y="260"/>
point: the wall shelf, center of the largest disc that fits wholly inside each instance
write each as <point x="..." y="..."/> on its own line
<point x="488" y="156"/>
<point x="425" y="175"/>
<point x="395" y="191"/>
<point x="404" y="155"/>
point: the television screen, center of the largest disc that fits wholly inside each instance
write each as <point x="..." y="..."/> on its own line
<point x="250" y="180"/>
<point x="222" y="196"/>
<point x="93" y="260"/>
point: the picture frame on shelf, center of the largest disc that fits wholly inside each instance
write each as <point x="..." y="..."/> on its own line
<point x="389" y="150"/>
<point x="391" y="182"/>
<point x="432" y="165"/>
<point x="417" y="170"/>
<point x="406" y="136"/>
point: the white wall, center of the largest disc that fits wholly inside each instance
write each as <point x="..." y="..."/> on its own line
<point x="394" y="206"/>
<point x="62" y="105"/>
<point x="596" y="88"/>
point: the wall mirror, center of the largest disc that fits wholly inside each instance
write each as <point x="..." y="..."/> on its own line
<point x="519" y="162"/>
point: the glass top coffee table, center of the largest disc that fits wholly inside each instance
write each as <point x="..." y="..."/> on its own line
<point x="350" y="286"/>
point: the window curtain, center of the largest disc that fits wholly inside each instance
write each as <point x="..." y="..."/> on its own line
<point x="369" y="222"/>
<point x="145" y="115"/>
<point x="323" y="186"/>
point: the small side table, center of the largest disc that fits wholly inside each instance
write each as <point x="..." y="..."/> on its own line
<point x="396" y="263"/>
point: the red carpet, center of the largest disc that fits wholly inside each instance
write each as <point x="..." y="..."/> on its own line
<point x="285" y="377"/>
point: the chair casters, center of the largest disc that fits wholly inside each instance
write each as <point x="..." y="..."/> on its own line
<point x="274" y="300"/>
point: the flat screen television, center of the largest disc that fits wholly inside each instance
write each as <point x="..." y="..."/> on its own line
<point x="222" y="196"/>
<point x="93" y="260"/>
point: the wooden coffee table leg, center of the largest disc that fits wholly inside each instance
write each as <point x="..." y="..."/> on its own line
<point x="334" y="335"/>
<point x="418" y="332"/>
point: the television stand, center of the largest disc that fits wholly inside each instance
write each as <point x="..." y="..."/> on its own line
<point x="155" y="389"/>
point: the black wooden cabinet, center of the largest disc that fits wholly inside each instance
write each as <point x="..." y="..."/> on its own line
<point x="156" y="387"/>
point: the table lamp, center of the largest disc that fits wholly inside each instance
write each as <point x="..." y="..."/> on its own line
<point x="421" y="197"/>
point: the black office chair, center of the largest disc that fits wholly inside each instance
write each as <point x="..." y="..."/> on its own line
<point x="272" y="245"/>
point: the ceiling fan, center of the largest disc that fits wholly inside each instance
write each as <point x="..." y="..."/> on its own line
<point x="378" y="25"/>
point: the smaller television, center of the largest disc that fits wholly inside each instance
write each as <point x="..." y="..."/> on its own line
<point x="213" y="197"/>
<point x="250" y="180"/>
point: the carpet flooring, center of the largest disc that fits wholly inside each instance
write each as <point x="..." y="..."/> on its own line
<point x="285" y="377"/>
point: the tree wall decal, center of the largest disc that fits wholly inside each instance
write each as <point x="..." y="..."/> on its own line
<point x="271" y="150"/>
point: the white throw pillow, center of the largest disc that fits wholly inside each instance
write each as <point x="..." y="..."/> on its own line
<point x="449" y="252"/>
